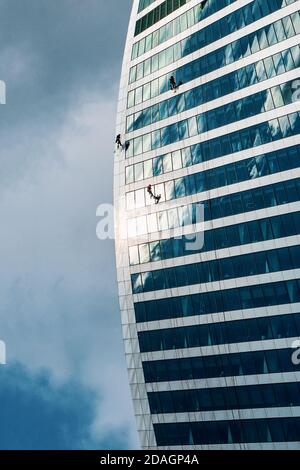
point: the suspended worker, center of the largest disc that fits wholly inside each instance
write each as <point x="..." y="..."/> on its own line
<point x="152" y="195"/>
<point x="173" y="84"/>
<point x="149" y="191"/>
<point x="118" y="141"/>
<point x="157" y="199"/>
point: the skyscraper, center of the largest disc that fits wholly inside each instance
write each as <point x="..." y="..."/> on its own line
<point x="209" y="275"/>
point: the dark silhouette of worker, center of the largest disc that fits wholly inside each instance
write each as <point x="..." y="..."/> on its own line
<point x="173" y="84"/>
<point x="127" y="145"/>
<point x="118" y="141"/>
<point x="149" y="191"/>
<point x="152" y="195"/>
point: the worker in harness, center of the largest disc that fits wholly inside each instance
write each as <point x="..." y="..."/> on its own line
<point x="120" y="145"/>
<point x="118" y="141"/>
<point x="152" y="195"/>
<point x="173" y="84"/>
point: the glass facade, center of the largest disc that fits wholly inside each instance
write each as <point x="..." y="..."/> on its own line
<point x="157" y="14"/>
<point x="227" y="84"/>
<point x="264" y="37"/>
<point x="238" y="110"/>
<point x="229" y="332"/>
<point x="181" y="23"/>
<point x="209" y="328"/>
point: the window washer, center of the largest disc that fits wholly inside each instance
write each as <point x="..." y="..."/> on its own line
<point x="152" y="195"/>
<point x="173" y="84"/>
<point x="127" y="145"/>
<point x="149" y="191"/>
<point x="118" y="141"/>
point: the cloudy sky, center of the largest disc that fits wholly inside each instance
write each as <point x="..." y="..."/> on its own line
<point x="65" y="382"/>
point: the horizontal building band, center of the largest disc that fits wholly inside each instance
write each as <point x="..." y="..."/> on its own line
<point x="189" y="161"/>
<point x="227" y="175"/>
<point x="223" y="365"/>
<point x="221" y="349"/>
<point x="223" y="382"/>
<point x="222" y="399"/>
<point x="206" y="319"/>
<point x="228" y="415"/>
<point x="157" y="14"/>
<point x="246" y="265"/>
<point x="227" y="332"/>
<point x="228" y="432"/>
<point x="260" y="197"/>
<point x="266" y="446"/>
<point x="239" y="298"/>
<point x="254" y="231"/>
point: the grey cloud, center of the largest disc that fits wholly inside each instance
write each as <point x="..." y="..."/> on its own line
<point x="59" y="306"/>
<point x="49" y="49"/>
<point x="33" y="409"/>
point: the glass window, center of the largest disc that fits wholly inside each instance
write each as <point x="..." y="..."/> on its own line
<point x="146" y="143"/>
<point x="142" y="226"/>
<point x="138" y="145"/>
<point x="271" y="35"/>
<point x="167" y="163"/>
<point x="260" y="71"/>
<point x="144" y="253"/>
<point x="154" y="88"/>
<point x="277" y="96"/>
<point x="154" y="63"/>
<point x="130" y="101"/>
<point x="134" y="255"/>
<point x="129" y="174"/>
<point x="176" y="158"/>
<point x="288" y="27"/>
<point x="296" y="21"/>
<point x="279" y="29"/>
<point x="138" y="171"/>
<point x="148" y="169"/>
<point x="156" y="142"/>
<point x="130" y="200"/>
<point x="157" y="166"/>
<point x="278" y="62"/>
<point x="162" y="221"/>
<point x="193" y="130"/>
<point x="140" y="198"/>
<point x="169" y="190"/>
<point x="146" y="91"/>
